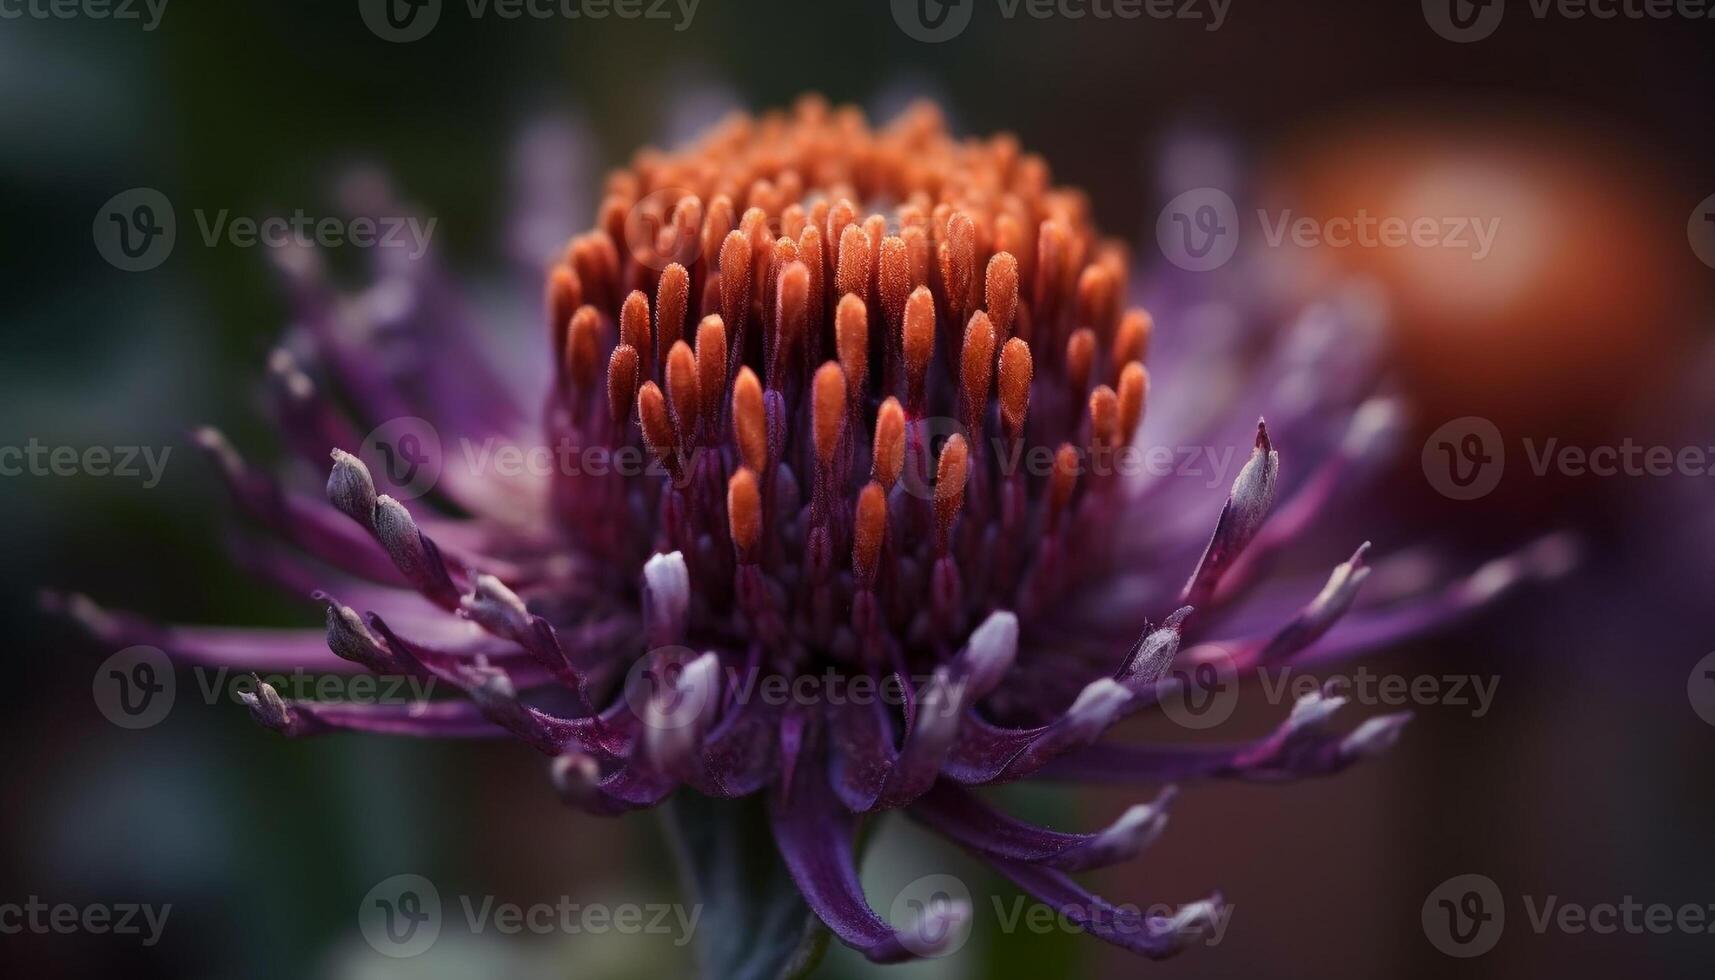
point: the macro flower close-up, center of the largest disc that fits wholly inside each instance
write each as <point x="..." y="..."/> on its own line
<point x="826" y="537"/>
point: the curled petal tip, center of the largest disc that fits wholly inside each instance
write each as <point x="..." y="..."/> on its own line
<point x="1313" y="709"/>
<point x="990" y="653"/>
<point x="1097" y="705"/>
<point x="667" y="592"/>
<point x="266" y="706"/>
<point x="1375" y="736"/>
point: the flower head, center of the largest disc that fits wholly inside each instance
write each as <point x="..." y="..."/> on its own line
<point x="882" y="397"/>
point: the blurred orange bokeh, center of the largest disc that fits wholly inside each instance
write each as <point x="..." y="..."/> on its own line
<point x="1581" y="304"/>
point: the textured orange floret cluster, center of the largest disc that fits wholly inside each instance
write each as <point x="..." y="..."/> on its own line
<point x="894" y="320"/>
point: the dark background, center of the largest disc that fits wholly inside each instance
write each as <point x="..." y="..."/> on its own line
<point x="1589" y="781"/>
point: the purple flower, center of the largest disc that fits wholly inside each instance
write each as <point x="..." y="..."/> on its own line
<point x="846" y="504"/>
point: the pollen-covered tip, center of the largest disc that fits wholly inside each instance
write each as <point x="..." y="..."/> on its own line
<point x="565" y="295"/>
<point x="951" y="471"/>
<point x="852" y="275"/>
<point x="1133" y="390"/>
<point x="1097" y="299"/>
<point x="711" y="366"/>
<point x="893" y="279"/>
<point x="750" y="420"/>
<point x="959" y="260"/>
<point x="791" y="313"/>
<point x="976" y="366"/>
<point x="634" y="323"/>
<point x="1063" y="480"/>
<point x="1000" y="291"/>
<point x="583" y="346"/>
<point x="1104" y="417"/>
<point x="657" y="429"/>
<point x="869" y="530"/>
<point x="1080" y="355"/>
<point x="919" y="340"/>
<point x="735" y="280"/>
<point x="351" y="489"/>
<point x="672" y="298"/>
<point x="1131" y="340"/>
<point x="683" y="387"/>
<point x="851" y="339"/>
<point x="889" y="456"/>
<point x="744" y="513"/>
<point x="828" y="411"/>
<point x="621" y="383"/>
<point x="1016" y="368"/>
